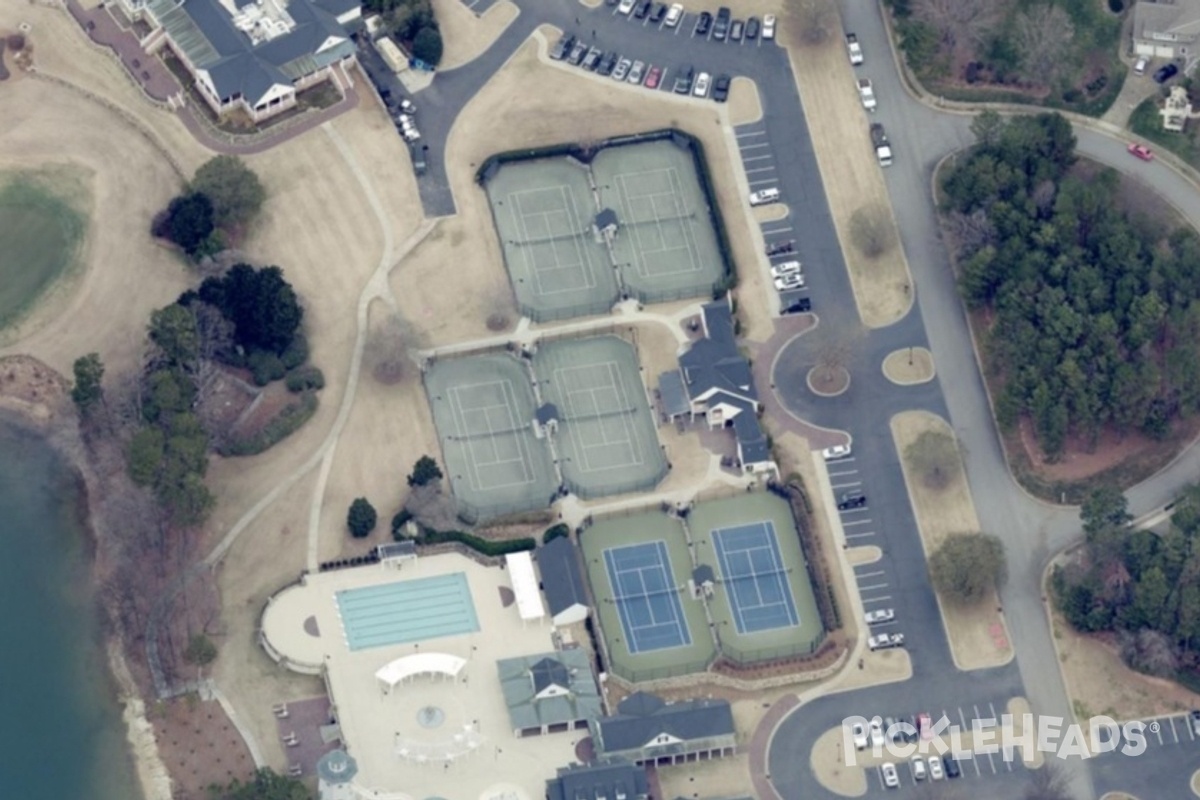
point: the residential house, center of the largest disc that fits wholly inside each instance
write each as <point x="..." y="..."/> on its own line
<point x="253" y="56"/>
<point x="646" y="729"/>
<point x="1166" y="28"/>
<point x="549" y="692"/>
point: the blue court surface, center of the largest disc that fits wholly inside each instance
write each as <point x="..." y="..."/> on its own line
<point x="647" y="601"/>
<point x="756" y="581"/>
<point x="407" y="611"/>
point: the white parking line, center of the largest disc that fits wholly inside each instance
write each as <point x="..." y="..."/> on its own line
<point x="765" y="180"/>
<point x="745" y="147"/>
<point x="748" y="134"/>
<point x="774" y="231"/>
<point x="873" y="587"/>
<point x="843" y="472"/>
<point x="1191" y="733"/>
<point x="845" y="485"/>
<point x="871" y="574"/>
<point x="856" y="522"/>
<point x="859" y="535"/>
<point x="756" y="158"/>
<point x="760" y="169"/>
<point x="1174" y="732"/>
<point x="883" y="598"/>
<point x="1158" y="733"/>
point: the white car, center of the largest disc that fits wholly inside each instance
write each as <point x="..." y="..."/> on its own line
<point x="883" y="641"/>
<point x="835" y="452"/>
<point x="877" y="732"/>
<point x="935" y="769"/>
<point x="918" y="768"/>
<point x="621" y="70"/>
<point x="880" y="616"/>
<point x="635" y="72"/>
<point x="674" y="14"/>
<point x="866" y="93"/>
<point x="768" y="29"/>
<point x="703" y="81"/>
<point x="789" y="282"/>
<point x="785" y="269"/>
<point x="764" y="197"/>
<point x="890" y="779"/>
<point x="859" y="733"/>
<point x="626" y="6"/>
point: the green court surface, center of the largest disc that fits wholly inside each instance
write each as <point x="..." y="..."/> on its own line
<point x="607" y="440"/>
<point x="666" y="246"/>
<point x="544" y="211"/>
<point x="777" y="642"/>
<point x="483" y="407"/>
<point x="664" y="662"/>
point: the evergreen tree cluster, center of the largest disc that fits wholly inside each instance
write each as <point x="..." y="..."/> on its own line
<point x="1096" y="314"/>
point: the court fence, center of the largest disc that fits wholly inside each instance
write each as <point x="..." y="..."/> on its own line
<point x="541" y="315"/>
<point x="757" y="655"/>
<point x="659" y="673"/>
<point x="607" y="490"/>
<point x="814" y="557"/>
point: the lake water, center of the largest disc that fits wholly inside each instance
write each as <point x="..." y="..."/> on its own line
<point x="62" y="736"/>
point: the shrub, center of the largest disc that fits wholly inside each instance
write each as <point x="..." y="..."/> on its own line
<point x="424" y="471"/>
<point x="305" y="379"/>
<point x="427" y="46"/>
<point x="398" y="522"/>
<point x="296" y="352"/>
<point x="487" y="547"/>
<point x="266" y="367"/>
<point x="556" y="532"/>
<point x="361" y="518"/>
<point x="200" y="651"/>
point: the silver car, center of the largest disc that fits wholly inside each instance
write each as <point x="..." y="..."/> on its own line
<point x="622" y="69"/>
<point x="635" y="72"/>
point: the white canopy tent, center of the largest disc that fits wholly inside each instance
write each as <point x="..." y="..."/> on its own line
<point x="407" y="667"/>
<point x="525" y="586"/>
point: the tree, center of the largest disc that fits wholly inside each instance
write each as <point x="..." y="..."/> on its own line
<point x="173" y="331"/>
<point x="967" y="566"/>
<point x="87" y="392"/>
<point x="234" y="190"/>
<point x="968" y="21"/>
<point x="816" y="19"/>
<point x="262" y="306"/>
<point x="872" y="231"/>
<point x="424" y="471"/>
<point x="1048" y="783"/>
<point x="1105" y="510"/>
<point x="1040" y="33"/>
<point x="934" y="456"/>
<point x="200" y="650"/>
<point x="391" y="350"/>
<point x="361" y="518"/>
<point x="987" y="127"/>
<point x="265" y="785"/>
<point x="189" y="222"/>
<point x="427" y="45"/>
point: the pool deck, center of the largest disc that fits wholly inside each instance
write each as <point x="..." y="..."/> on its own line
<point x="371" y="720"/>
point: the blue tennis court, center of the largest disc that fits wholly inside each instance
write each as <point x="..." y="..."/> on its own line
<point x="407" y="611"/>
<point x="647" y="601"/>
<point x="756" y="582"/>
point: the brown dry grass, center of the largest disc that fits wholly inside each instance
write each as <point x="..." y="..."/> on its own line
<point x="744" y="107"/>
<point x="828" y="764"/>
<point x="940" y="513"/>
<point x="465" y="33"/>
<point x="851" y="177"/>
<point x="909" y="366"/>
<point x="723" y="777"/>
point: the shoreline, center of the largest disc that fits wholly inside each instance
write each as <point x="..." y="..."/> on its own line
<point x="37" y="416"/>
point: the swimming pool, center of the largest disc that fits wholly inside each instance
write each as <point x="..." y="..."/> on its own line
<point x="407" y="611"/>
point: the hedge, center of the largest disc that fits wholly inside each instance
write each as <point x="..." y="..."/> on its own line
<point x="487" y="547"/>
<point x="556" y="532"/>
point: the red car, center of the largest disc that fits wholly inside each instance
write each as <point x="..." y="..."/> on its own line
<point x="653" y="77"/>
<point x="1141" y="151"/>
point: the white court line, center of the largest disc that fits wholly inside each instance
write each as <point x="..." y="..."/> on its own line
<point x="617" y="386"/>
<point x="525" y="458"/>
<point x="566" y="207"/>
<point x="673" y="194"/>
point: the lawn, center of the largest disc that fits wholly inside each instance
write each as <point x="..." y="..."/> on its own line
<point x="1146" y="122"/>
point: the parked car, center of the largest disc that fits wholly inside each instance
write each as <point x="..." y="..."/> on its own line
<point x="626" y="6"/>
<point x="953" y="770"/>
<point x="836" y="452"/>
<point x="876" y="726"/>
<point x="577" y="53"/>
<point x="736" y="28"/>
<point x="720" y="91"/>
<point x="879" y="616"/>
<point x="1141" y="151"/>
<point x="653" y="77"/>
<point x="1139" y="66"/>
<point x="883" y="641"/>
<point x="592" y="59"/>
<point x="703" y="23"/>
<point x="790" y="282"/>
<point x="935" y="769"/>
<point x="764" y="197"/>
<point x="779" y="248"/>
<point x="752" y="28"/>
<point x="786" y="268"/>
<point x="674" y="14"/>
<point x="924" y="726"/>
<point x="683" y="80"/>
<point x="1165" y="73"/>
<point x="703" y="80"/>
<point x="642" y="9"/>
<point x="721" y="24"/>
<point x="562" y="47"/>
<point x="1194" y="721"/>
<point x="918" y="768"/>
<point x="858" y="733"/>
<point x="621" y="70"/>
<point x="851" y="501"/>
<point x="408" y="107"/>
<point x="657" y="13"/>
<point x="636" y="72"/>
<point x="768" y="31"/>
<point x="607" y="63"/>
<point x="890" y="779"/>
<point x="798" y="305"/>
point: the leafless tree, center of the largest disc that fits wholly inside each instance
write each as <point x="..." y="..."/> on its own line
<point x="1042" y="31"/>
<point x="432" y="507"/>
<point x="872" y="230"/>
<point x="814" y="20"/>
<point x="966" y="22"/>
<point x="1150" y="651"/>
<point x="970" y="233"/>
<point x="1048" y="783"/>
<point x="391" y="350"/>
<point x="935" y="457"/>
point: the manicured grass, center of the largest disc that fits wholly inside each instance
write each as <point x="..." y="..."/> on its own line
<point x="40" y="234"/>
<point x="1146" y="122"/>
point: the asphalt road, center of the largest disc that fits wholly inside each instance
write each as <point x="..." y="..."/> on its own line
<point x="1032" y="530"/>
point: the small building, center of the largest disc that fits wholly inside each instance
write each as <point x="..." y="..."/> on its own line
<point x="646" y="729"/>
<point x="252" y="55"/>
<point x="609" y="779"/>
<point x="335" y="776"/>
<point x="525" y="586"/>
<point x="1177" y="110"/>
<point x="562" y="581"/>
<point x="606" y="223"/>
<point x="719" y="386"/>
<point x="549" y="692"/>
<point x="1166" y="28"/>
<point x="546" y="420"/>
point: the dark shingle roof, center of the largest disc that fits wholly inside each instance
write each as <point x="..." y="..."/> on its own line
<point x="609" y="778"/>
<point x="672" y="393"/>
<point x="562" y="580"/>
<point x="715" y="362"/>
<point x="693" y="719"/>
<point x="703" y="574"/>
<point x="546" y="413"/>
<point x="751" y="439"/>
<point x="549" y="672"/>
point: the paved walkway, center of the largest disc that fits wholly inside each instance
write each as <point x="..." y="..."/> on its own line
<point x="147" y="71"/>
<point x="760" y="745"/>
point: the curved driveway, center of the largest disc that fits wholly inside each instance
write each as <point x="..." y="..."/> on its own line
<point x="1032" y="530"/>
